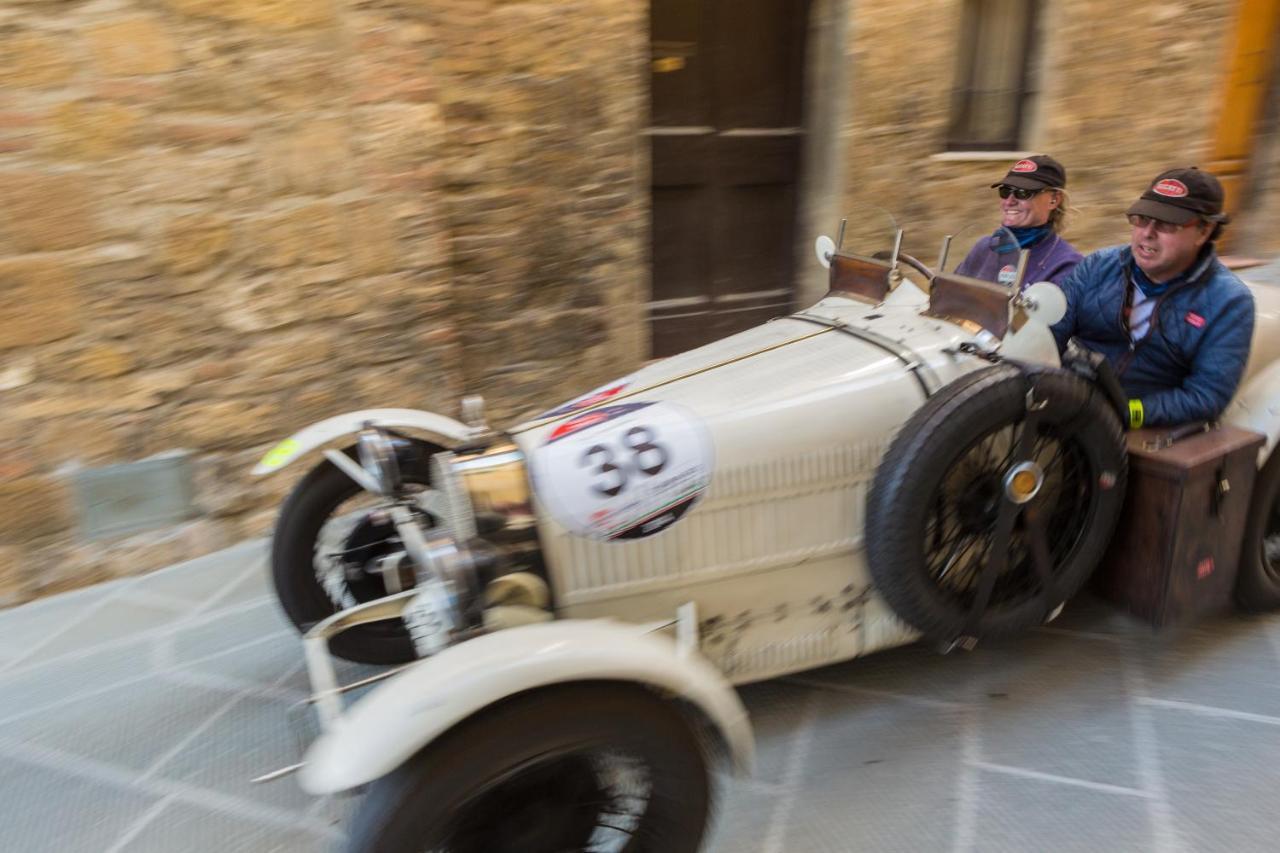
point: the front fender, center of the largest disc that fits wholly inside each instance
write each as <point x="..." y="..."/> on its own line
<point x="444" y="430"/>
<point x="398" y="719"/>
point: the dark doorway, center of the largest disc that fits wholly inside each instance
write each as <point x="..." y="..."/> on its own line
<point x="726" y="133"/>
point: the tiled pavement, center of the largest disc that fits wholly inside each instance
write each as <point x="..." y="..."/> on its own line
<point x="133" y="714"/>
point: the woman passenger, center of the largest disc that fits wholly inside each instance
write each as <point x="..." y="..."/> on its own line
<point x="1033" y="209"/>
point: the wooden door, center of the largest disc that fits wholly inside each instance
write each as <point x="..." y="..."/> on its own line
<point x="725" y="133"/>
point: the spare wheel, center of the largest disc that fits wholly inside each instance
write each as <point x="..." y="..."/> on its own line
<point x="995" y="502"/>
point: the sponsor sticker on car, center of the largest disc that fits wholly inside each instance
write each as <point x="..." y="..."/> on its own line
<point x="280" y="454"/>
<point x="623" y="472"/>
<point x="594" y="397"/>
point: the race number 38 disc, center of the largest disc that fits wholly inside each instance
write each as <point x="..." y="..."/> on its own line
<point x="624" y="471"/>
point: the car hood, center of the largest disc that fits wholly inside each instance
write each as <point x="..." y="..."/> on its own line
<point x="782" y="358"/>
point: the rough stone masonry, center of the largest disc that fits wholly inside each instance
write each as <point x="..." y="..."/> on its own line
<point x="223" y="219"/>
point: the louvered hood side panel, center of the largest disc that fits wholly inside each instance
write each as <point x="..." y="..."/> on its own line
<point x="754" y="518"/>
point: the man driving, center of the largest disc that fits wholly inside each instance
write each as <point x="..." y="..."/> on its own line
<point x="1173" y="321"/>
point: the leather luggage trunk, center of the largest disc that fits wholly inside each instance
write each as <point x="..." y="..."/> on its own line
<point x="1177" y="548"/>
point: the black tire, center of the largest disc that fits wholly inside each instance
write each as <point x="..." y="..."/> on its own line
<point x="1258" y="580"/>
<point x="293" y="572"/>
<point x="510" y="780"/>
<point x="941" y="477"/>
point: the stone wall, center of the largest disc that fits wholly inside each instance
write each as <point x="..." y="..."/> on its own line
<point x="224" y="219"/>
<point x="1126" y="91"/>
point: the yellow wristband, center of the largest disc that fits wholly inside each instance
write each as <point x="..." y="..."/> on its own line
<point x="1135" y="414"/>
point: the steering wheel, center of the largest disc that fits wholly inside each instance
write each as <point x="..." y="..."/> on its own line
<point x="916" y="265"/>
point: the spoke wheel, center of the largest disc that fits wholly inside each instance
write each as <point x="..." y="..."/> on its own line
<point x="593" y="800"/>
<point x="576" y="767"/>
<point x="952" y="545"/>
<point x="330" y="542"/>
<point x="961" y="531"/>
<point x="358" y="546"/>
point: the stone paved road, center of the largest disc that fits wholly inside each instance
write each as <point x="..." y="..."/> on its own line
<point x="133" y="714"/>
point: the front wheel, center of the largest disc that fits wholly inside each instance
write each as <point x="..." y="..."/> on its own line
<point x="333" y="548"/>
<point x="607" y="767"/>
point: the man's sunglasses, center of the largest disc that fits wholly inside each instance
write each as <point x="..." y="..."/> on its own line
<point x="1018" y="192"/>
<point x="1137" y="220"/>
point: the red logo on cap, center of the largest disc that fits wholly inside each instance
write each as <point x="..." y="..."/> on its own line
<point x="1195" y="319"/>
<point x="1170" y="187"/>
<point x="1024" y="166"/>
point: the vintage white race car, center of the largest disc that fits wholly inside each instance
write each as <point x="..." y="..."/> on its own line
<point x="575" y="597"/>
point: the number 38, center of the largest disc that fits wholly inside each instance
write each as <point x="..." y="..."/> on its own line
<point x="647" y="457"/>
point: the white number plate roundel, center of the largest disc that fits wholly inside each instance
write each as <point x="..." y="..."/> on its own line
<point x="624" y="471"/>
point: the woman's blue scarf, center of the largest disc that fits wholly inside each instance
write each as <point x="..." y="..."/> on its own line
<point x="1026" y="236"/>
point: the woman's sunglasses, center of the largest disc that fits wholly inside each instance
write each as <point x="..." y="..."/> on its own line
<point x="1018" y="192"/>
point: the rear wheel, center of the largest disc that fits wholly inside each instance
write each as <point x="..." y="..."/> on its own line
<point x="1258" y="581"/>
<point x="985" y="516"/>
<point x="576" y="767"/>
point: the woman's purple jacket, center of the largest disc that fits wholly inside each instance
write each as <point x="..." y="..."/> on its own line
<point x="1051" y="260"/>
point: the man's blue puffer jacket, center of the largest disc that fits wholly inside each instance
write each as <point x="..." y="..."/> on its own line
<point x="1188" y="366"/>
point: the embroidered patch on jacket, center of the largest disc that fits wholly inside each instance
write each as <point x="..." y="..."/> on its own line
<point x="1195" y="319"/>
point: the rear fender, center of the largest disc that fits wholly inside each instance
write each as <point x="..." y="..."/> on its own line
<point x="443" y="430"/>
<point x="1257" y="407"/>
<point x="398" y="719"/>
